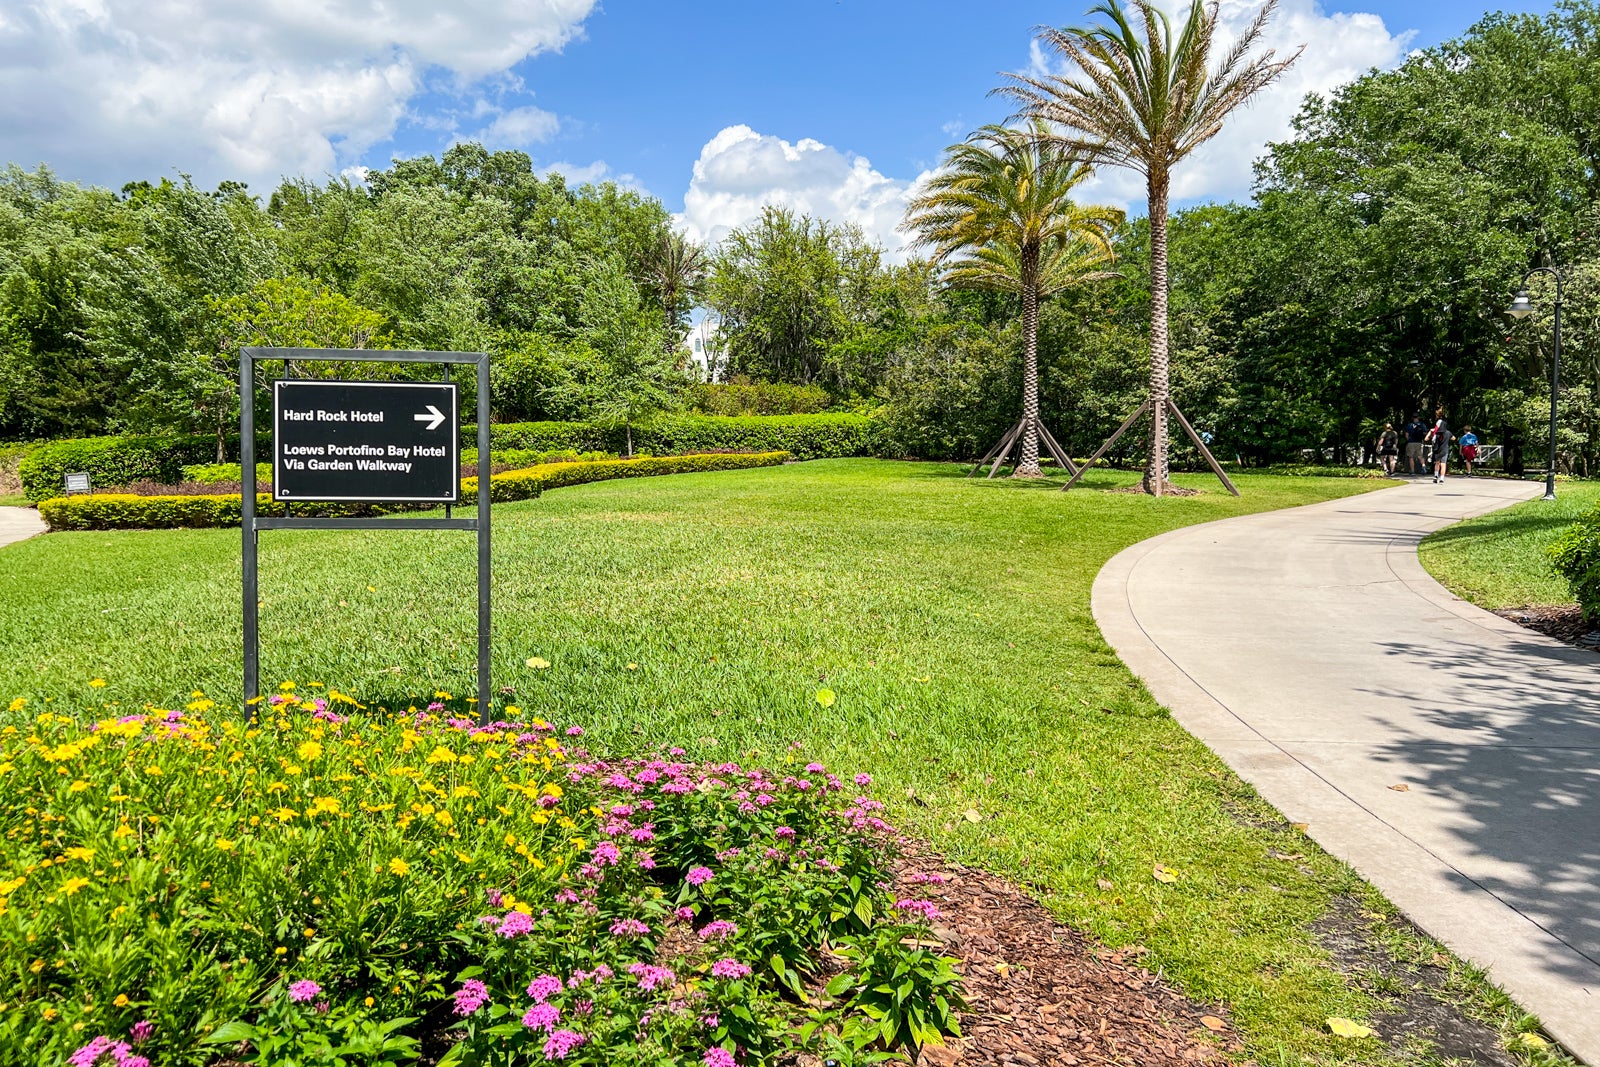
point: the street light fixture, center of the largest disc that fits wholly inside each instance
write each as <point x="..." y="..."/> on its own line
<point x="1521" y="307"/>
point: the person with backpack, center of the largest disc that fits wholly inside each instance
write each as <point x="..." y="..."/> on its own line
<point x="1388" y="449"/>
<point x="1469" y="448"/>
<point x="1416" y="432"/>
<point x="1440" y="437"/>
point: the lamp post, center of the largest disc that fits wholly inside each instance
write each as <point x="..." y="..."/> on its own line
<point x="1521" y="307"/>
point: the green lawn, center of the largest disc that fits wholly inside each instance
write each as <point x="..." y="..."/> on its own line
<point x="1499" y="560"/>
<point x="950" y="617"/>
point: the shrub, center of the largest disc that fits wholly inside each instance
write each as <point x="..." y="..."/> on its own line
<point x="336" y="877"/>
<point x="127" y="511"/>
<point x="827" y="436"/>
<point x="111" y="461"/>
<point x="539" y="436"/>
<point x="758" y="398"/>
<point x="1576" y="557"/>
<point x="216" y="473"/>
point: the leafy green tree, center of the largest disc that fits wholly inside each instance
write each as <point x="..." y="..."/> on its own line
<point x="620" y="372"/>
<point x="677" y="271"/>
<point x="1146" y="103"/>
<point x="999" y="214"/>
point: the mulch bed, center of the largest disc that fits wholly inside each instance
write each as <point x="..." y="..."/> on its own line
<point x="1564" y="622"/>
<point x="1040" y="993"/>
<point x="1171" y="490"/>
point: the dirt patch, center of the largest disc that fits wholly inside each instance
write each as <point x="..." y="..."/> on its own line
<point x="1564" y="622"/>
<point x="1040" y="993"/>
<point x="1172" y="490"/>
<point x="1422" y="1012"/>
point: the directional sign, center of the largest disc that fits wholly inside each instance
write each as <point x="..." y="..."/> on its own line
<point x="375" y="442"/>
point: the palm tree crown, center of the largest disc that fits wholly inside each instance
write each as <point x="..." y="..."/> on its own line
<point x="1146" y="102"/>
<point x="1000" y="215"/>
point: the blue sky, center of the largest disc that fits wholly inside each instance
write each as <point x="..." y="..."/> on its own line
<point x="835" y="107"/>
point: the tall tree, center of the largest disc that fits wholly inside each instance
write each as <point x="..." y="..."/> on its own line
<point x="676" y="271"/>
<point x="999" y="214"/>
<point x="1146" y="103"/>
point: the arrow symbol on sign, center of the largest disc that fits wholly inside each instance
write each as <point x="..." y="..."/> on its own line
<point x="433" y="417"/>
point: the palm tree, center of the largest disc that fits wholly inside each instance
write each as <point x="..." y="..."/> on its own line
<point x="676" y="270"/>
<point x="999" y="214"/>
<point x="1146" y="104"/>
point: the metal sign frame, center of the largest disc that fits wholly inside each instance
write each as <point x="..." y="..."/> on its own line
<point x="251" y="524"/>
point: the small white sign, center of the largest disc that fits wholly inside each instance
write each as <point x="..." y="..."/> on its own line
<point x="78" y="483"/>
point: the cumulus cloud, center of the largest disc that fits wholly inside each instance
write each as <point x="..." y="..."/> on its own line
<point x="518" y="127"/>
<point x="740" y="171"/>
<point x="112" y="89"/>
<point x="1341" y="47"/>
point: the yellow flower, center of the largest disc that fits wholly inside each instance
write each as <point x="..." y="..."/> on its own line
<point x="97" y="683"/>
<point x="368" y="1002"/>
<point x="123" y="831"/>
<point x="286" y="687"/>
<point x="72" y="885"/>
<point x="284" y="814"/>
<point x="325" y="804"/>
<point x="153" y="769"/>
<point x="440" y="754"/>
<point x="224" y="845"/>
<point x="538" y="663"/>
<point x="309" y="932"/>
<point x="309" y="751"/>
<point x="7" y="888"/>
<point x="85" y="854"/>
<point x="443" y="818"/>
<point x="17" y="704"/>
<point x="280" y="951"/>
<point x="399" y="866"/>
<point x="121" y="1001"/>
<point x="77" y="787"/>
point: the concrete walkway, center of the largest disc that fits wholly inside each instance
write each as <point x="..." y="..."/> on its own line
<point x="19" y="524"/>
<point x="1309" y="649"/>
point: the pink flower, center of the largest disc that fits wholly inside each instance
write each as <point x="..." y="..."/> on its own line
<point x="629" y="928"/>
<point x="684" y="914"/>
<point x="924" y="908"/>
<point x="815" y="768"/>
<point x="863" y="779"/>
<point x="720" y="930"/>
<point x="542" y="1017"/>
<point x="646" y="861"/>
<point x="783" y="832"/>
<point x="606" y="854"/>
<point x="142" y="1031"/>
<point x="700" y="875"/>
<point x="729" y="968"/>
<point x="558" y="1044"/>
<point x="544" y="987"/>
<point x="650" y="976"/>
<point x="514" y="924"/>
<point x="304" y="990"/>
<point x="471" y="997"/>
<point x="572" y="731"/>
<point x="718" y="1057"/>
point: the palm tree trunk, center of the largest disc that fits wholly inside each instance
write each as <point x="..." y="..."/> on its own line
<point x="1028" y="461"/>
<point x="1155" y="475"/>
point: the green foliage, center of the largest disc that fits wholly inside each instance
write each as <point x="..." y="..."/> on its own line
<point x="1576" y="557"/>
<point x="213" y="473"/>
<point x="329" y="883"/>
<point x="820" y="436"/>
<point x="746" y="397"/>
<point x="110" y="461"/>
<point x="894" y="995"/>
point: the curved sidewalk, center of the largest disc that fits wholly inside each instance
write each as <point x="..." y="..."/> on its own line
<point x="1309" y="649"/>
<point x="19" y="524"/>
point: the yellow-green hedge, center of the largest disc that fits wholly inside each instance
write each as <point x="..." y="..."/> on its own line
<point x="124" y="511"/>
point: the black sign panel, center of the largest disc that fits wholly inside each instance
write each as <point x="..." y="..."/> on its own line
<point x="375" y="442"/>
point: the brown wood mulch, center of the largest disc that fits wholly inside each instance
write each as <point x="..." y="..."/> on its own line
<point x="1041" y="993"/>
<point x="1564" y="622"/>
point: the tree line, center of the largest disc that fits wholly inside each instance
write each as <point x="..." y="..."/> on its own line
<point x="1365" y="280"/>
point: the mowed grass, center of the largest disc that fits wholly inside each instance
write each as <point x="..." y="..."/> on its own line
<point x="950" y="618"/>
<point x="1501" y="560"/>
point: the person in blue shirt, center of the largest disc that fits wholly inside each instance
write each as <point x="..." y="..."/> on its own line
<point x="1469" y="447"/>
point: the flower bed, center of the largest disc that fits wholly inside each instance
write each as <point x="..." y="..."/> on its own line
<point x="184" y="887"/>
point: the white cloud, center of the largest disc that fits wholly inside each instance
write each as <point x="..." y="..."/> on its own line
<point x="740" y="171"/>
<point x="594" y="173"/>
<point x="518" y="128"/>
<point x="1340" y="48"/>
<point x="114" y="89"/>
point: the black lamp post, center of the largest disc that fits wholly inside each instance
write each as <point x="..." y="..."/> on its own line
<point x="1521" y="307"/>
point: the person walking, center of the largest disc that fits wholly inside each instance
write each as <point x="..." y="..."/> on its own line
<point x="1416" y="432"/>
<point x="1469" y="448"/>
<point x="1388" y="449"/>
<point x="1439" y="435"/>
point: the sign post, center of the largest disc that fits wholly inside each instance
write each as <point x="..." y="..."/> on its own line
<point x="369" y="442"/>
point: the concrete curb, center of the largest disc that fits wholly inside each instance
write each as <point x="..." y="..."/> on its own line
<point x="1520" y="955"/>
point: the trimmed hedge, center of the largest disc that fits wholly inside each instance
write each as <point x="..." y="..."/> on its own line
<point x="757" y="398"/>
<point x="825" y="436"/>
<point x="112" y="460"/>
<point x="121" y="511"/>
